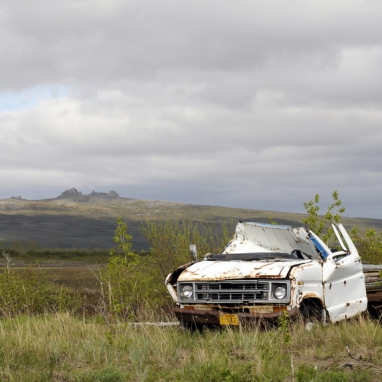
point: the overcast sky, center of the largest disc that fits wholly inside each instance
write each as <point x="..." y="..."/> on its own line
<point x="257" y="104"/>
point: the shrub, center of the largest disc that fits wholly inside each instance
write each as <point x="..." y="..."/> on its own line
<point x="133" y="283"/>
<point x="170" y="242"/>
<point x="30" y="292"/>
<point x="369" y="246"/>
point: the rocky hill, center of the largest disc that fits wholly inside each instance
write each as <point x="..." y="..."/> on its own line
<point x="75" y="220"/>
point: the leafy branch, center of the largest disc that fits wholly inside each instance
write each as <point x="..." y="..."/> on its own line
<point x="321" y="224"/>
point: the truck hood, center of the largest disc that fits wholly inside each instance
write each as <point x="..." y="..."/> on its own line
<point x="258" y="237"/>
<point x="232" y="270"/>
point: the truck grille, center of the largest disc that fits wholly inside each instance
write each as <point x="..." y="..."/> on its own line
<point x="231" y="292"/>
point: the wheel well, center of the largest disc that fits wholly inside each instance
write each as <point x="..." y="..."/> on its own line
<point x="312" y="308"/>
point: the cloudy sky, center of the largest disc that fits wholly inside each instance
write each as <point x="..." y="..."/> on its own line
<point x="248" y="103"/>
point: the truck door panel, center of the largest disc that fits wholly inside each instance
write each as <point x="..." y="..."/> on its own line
<point x="344" y="287"/>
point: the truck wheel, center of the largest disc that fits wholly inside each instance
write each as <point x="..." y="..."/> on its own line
<point x="375" y="311"/>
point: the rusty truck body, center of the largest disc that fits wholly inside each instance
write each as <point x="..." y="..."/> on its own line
<point x="269" y="270"/>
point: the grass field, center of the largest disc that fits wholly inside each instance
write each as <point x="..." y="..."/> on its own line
<point x="85" y="344"/>
<point x="61" y="347"/>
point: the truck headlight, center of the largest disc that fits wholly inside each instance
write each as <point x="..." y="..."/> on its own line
<point x="186" y="291"/>
<point x="279" y="291"/>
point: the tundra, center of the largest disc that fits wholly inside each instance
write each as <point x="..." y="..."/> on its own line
<point x="267" y="271"/>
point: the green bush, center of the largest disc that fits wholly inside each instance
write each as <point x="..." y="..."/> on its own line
<point x="133" y="283"/>
<point x="121" y="288"/>
<point x="170" y="242"/>
<point x="30" y="292"/>
<point x="369" y="246"/>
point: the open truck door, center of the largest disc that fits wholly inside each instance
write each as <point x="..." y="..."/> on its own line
<point x="342" y="276"/>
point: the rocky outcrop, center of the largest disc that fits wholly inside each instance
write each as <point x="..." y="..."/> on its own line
<point x="111" y="194"/>
<point x="73" y="194"/>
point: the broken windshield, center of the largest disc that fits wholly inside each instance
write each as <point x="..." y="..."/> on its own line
<point x="253" y="256"/>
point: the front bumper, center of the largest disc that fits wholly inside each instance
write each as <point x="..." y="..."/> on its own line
<point x="215" y="317"/>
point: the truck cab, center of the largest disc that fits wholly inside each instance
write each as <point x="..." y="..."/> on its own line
<point x="267" y="271"/>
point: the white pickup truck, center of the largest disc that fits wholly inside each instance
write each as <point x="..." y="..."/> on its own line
<point x="270" y="270"/>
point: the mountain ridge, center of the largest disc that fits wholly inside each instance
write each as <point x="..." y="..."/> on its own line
<point x="76" y="220"/>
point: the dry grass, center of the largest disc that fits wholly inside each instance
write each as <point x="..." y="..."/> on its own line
<point x="62" y="348"/>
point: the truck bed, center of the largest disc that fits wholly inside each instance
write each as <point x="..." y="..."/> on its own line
<point x="373" y="281"/>
<point x="373" y="277"/>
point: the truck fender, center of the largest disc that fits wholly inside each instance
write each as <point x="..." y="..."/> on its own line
<point x="313" y="308"/>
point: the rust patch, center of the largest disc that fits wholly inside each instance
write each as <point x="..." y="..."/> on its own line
<point x="306" y="296"/>
<point x="310" y="295"/>
<point x="261" y="309"/>
<point x="200" y="307"/>
<point x="280" y="308"/>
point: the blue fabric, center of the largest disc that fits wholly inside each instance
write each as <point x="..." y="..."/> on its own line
<point x="320" y="248"/>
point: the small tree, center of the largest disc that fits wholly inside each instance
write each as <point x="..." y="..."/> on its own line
<point x="321" y="224"/>
<point x="369" y="246"/>
<point x="123" y="241"/>
<point x="117" y="283"/>
<point x="127" y="283"/>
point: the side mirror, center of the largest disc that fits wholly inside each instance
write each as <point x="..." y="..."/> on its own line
<point x="193" y="252"/>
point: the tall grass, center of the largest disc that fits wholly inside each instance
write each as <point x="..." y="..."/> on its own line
<point x="63" y="348"/>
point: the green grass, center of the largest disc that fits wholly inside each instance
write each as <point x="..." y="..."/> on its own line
<point x="58" y="256"/>
<point x="63" y="348"/>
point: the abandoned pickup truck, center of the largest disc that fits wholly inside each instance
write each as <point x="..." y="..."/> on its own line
<point x="267" y="271"/>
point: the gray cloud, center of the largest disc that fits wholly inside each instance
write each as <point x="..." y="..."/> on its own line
<point x="248" y="104"/>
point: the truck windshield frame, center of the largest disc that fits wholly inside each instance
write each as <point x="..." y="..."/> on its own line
<point x="251" y="256"/>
